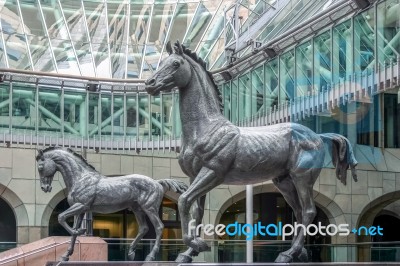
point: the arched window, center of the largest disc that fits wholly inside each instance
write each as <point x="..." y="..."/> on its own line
<point x="123" y="224"/>
<point x="268" y="208"/>
<point x="8" y="227"/>
<point x="381" y="251"/>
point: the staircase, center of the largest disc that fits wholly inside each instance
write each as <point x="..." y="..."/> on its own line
<point x="38" y="253"/>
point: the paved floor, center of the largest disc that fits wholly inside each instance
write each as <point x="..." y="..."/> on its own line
<point x="138" y="263"/>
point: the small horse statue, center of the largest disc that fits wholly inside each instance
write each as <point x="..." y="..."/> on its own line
<point x="214" y="151"/>
<point x="88" y="190"/>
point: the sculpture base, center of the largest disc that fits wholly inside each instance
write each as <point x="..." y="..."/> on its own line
<point x="166" y="263"/>
<point x="111" y="263"/>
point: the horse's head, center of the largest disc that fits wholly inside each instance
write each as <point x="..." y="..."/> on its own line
<point x="174" y="71"/>
<point x="46" y="168"/>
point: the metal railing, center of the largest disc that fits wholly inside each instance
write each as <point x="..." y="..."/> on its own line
<point x="264" y="250"/>
<point x="358" y="87"/>
<point x="94" y="143"/>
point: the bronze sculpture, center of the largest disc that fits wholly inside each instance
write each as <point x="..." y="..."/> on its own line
<point x="88" y="190"/>
<point x="214" y="151"/>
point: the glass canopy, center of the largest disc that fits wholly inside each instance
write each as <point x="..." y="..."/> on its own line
<point x="126" y="38"/>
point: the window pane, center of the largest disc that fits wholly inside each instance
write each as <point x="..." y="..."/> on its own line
<point x="24" y="109"/>
<point x="388" y="23"/>
<point x="106" y="113"/>
<point x="322" y="62"/>
<point x="50" y="110"/>
<point x="131" y="113"/>
<point x="342" y="52"/>
<point x="14" y="38"/>
<point x="118" y="115"/>
<point x="37" y="38"/>
<point x="304" y="71"/>
<point x="4" y="107"/>
<point x="155" y="116"/>
<point x="364" y="53"/>
<point x="97" y="24"/>
<point x="244" y="97"/>
<point x="75" y="113"/>
<point x="286" y="77"/>
<point x="257" y="90"/>
<point x="94" y="114"/>
<point x="271" y="84"/>
<point x="168" y="118"/>
<point x="144" y="115"/>
<point x="76" y="24"/>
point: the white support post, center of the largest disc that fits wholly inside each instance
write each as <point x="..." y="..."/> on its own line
<point x="249" y="220"/>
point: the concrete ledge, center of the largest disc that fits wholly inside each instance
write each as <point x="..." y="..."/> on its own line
<point x="161" y="263"/>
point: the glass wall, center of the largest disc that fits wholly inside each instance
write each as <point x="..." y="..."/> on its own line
<point x="328" y="62"/>
<point x="107" y="39"/>
<point x="388" y="31"/>
<point x="286" y="77"/>
<point x="304" y="69"/>
<point x="322" y="62"/>
<point x="327" y="65"/>
<point x="275" y="212"/>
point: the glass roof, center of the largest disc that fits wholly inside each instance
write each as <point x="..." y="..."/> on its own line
<point x="126" y="38"/>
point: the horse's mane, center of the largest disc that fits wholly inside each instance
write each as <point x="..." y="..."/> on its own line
<point x="69" y="151"/>
<point x="203" y="64"/>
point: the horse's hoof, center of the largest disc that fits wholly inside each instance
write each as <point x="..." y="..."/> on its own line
<point x="199" y="245"/>
<point x="64" y="258"/>
<point x="283" y="258"/>
<point x="149" y="258"/>
<point x="183" y="258"/>
<point x="131" y="255"/>
<point x="303" y="256"/>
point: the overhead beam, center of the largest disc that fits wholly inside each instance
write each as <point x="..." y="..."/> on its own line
<point x="361" y="4"/>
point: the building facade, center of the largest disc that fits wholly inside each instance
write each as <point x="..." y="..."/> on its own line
<point x="72" y="75"/>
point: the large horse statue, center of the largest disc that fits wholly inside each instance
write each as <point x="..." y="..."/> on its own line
<point x="214" y="151"/>
<point x="88" y="190"/>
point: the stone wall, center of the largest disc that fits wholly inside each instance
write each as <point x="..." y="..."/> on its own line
<point x="355" y="204"/>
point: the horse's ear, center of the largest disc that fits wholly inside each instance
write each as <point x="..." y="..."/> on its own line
<point x="40" y="154"/>
<point x="169" y="48"/>
<point x="178" y="48"/>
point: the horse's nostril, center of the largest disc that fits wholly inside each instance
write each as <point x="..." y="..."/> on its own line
<point x="150" y="82"/>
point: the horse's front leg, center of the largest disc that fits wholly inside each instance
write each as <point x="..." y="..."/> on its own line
<point x="203" y="183"/>
<point x="77" y="225"/>
<point x="78" y="210"/>
<point x="198" y="213"/>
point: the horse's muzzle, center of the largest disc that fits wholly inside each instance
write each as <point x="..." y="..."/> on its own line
<point x="153" y="91"/>
<point x="46" y="188"/>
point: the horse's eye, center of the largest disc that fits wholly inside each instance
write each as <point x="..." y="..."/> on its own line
<point x="176" y="64"/>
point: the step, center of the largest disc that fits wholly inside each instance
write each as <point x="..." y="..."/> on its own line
<point x="162" y="263"/>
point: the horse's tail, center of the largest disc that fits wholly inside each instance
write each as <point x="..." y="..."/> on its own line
<point x="174" y="185"/>
<point x="342" y="155"/>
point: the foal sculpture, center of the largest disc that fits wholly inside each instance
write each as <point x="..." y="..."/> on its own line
<point x="214" y="151"/>
<point x="88" y="190"/>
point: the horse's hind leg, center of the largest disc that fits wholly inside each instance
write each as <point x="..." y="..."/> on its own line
<point x="143" y="228"/>
<point x="287" y="188"/>
<point x="152" y="213"/>
<point x="303" y="181"/>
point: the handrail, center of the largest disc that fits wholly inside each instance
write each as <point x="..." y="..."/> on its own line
<point x="255" y="57"/>
<point x="263" y="241"/>
<point x="38" y="250"/>
<point x="69" y="76"/>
